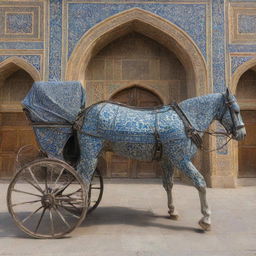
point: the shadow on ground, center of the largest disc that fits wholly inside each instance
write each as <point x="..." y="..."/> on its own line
<point x="106" y="216"/>
<point x="134" y="217"/>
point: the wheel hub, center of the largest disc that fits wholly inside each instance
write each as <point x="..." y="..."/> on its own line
<point x="48" y="201"/>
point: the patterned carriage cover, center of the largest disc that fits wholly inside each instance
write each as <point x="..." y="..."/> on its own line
<point x="54" y="103"/>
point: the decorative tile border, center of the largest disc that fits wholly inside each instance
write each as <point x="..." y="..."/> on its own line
<point x="21" y="21"/>
<point x="242" y="48"/>
<point x="218" y="46"/>
<point x="141" y="1"/>
<point x="242" y="18"/>
<point x="22" y="45"/>
<point x="55" y="44"/>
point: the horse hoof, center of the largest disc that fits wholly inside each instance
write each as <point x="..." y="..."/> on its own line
<point x="205" y="226"/>
<point x="173" y="216"/>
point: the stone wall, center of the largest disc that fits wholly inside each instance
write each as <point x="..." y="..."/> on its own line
<point x="213" y="40"/>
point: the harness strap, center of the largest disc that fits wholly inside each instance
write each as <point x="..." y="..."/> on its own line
<point x="189" y="129"/>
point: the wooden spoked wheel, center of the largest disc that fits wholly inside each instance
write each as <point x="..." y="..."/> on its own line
<point x="95" y="191"/>
<point x="43" y="198"/>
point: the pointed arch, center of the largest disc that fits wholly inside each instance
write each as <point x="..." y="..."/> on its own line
<point x="14" y="63"/>
<point x="139" y="85"/>
<point x="240" y="71"/>
<point x="150" y="25"/>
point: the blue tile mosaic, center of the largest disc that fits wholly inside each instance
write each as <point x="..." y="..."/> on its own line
<point x="218" y="45"/>
<point x="34" y="60"/>
<point x="55" y="44"/>
<point x="247" y="23"/>
<point x="236" y="61"/>
<point x="19" y="23"/>
<point x="189" y="17"/>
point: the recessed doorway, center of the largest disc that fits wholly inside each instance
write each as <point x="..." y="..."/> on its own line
<point x="120" y="166"/>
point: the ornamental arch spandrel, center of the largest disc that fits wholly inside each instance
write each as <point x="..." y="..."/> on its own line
<point x="150" y="25"/>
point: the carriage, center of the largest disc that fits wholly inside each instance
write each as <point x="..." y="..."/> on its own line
<point x="53" y="190"/>
<point x="47" y="197"/>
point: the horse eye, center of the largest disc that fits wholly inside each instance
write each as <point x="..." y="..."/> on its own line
<point x="236" y="107"/>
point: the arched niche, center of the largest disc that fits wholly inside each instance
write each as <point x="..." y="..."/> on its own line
<point x="12" y="64"/>
<point x="16" y="78"/>
<point x="246" y="150"/>
<point x="135" y="59"/>
<point x="243" y="84"/>
<point x="147" y="24"/>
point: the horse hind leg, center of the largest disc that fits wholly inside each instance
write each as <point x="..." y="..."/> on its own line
<point x="198" y="180"/>
<point x="167" y="176"/>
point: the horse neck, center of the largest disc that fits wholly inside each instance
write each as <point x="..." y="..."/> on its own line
<point x="201" y="111"/>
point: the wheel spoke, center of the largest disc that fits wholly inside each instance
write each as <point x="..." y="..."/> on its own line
<point x="45" y="181"/>
<point x="70" y="194"/>
<point x="69" y="211"/>
<point x="51" y="175"/>
<point x="28" y="202"/>
<point x="25" y="192"/>
<point x="32" y="184"/>
<point x="51" y="220"/>
<point x="61" y="189"/>
<point x="95" y="187"/>
<point x="69" y="199"/>
<point x="30" y="215"/>
<point x="39" y="222"/>
<point x="34" y="178"/>
<point x="61" y="172"/>
<point x="73" y="205"/>
<point x="61" y="216"/>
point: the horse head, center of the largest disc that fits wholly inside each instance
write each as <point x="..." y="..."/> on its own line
<point x="231" y="117"/>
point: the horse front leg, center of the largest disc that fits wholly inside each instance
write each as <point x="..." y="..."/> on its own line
<point x="167" y="176"/>
<point x="90" y="151"/>
<point x="198" y="180"/>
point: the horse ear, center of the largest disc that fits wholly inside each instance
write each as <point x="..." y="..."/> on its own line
<point x="228" y="91"/>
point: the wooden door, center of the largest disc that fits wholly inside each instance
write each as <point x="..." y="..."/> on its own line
<point x="122" y="167"/>
<point x="247" y="147"/>
<point x="15" y="131"/>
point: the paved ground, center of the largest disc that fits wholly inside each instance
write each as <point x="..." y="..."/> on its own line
<point x="132" y="220"/>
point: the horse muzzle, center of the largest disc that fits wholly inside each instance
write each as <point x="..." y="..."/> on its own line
<point x="240" y="134"/>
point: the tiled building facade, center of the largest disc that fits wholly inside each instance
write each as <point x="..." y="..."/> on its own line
<point x="171" y="49"/>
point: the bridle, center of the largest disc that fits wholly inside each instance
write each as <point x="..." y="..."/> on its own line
<point x="194" y="134"/>
<point x="234" y="109"/>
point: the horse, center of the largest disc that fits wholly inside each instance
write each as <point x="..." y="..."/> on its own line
<point x="134" y="133"/>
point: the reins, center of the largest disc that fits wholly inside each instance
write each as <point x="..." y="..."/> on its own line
<point x="216" y="134"/>
<point x="193" y="133"/>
